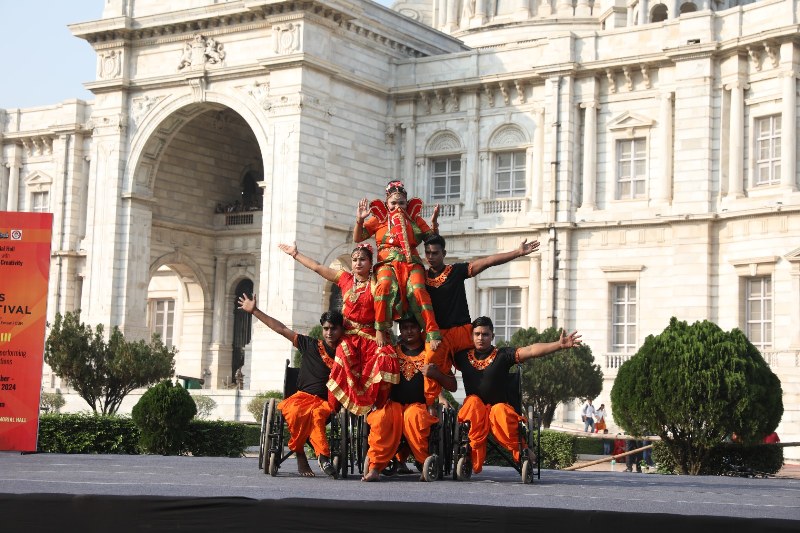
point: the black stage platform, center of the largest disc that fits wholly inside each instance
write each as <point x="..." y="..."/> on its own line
<point x="44" y="492"/>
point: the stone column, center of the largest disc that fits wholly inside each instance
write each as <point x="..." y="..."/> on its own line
<point x="483" y="299"/>
<point x="537" y="173"/>
<point x="589" y="154"/>
<point x="411" y="151"/>
<point x="544" y="9"/>
<point x="535" y="292"/>
<point x="672" y="9"/>
<point x="523" y="319"/>
<point x="643" y="12"/>
<point x="664" y="192"/>
<point x="564" y="8"/>
<point x="789" y="132"/>
<point x="582" y="9"/>
<point x="736" y="140"/>
<point x="452" y="16"/>
<point x="470" y="167"/>
<point x="12" y="202"/>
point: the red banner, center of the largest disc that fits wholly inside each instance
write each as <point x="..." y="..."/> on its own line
<point x="24" y="271"/>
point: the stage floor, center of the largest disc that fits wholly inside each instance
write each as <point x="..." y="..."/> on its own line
<point x="493" y="500"/>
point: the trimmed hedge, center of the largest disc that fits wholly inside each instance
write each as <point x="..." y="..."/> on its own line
<point x="87" y="433"/>
<point x="558" y="450"/>
<point x="215" y="439"/>
<point x="90" y="433"/>
<point x="728" y="459"/>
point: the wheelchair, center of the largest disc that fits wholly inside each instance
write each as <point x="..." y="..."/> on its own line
<point x="345" y="448"/>
<point x="529" y="438"/>
<point x="440" y="447"/>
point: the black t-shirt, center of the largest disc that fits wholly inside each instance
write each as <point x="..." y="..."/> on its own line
<point x="448" y="295"/>
<point x="313" y="371"/>
<point x="411" y="388"/>
<point x="491" y="383"/>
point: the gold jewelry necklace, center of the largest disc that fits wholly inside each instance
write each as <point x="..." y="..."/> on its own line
<point x="323" y="353"/>
<point x="481" y="364"/>
<point x="358" y="288"/>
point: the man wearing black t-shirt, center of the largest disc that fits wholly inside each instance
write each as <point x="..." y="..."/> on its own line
<point x="307" y="411"/>
<point x="445" y="284"/>
<point x="484" y="370"/>
<point x="405" y="413"/>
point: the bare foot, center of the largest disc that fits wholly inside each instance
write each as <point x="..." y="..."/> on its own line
<point x="303" y="468"/>
<point x="372" y="475"/>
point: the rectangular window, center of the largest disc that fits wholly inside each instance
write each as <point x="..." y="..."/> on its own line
<point x="631" y="168"/>
<point x="40" y="202"/>
<point x="758" y="311"/>
<point x="162" y="318"/>
<point x="506" y="312"/>
<point x="623" y="317"/>
<point x="768" y="150"/>
<point x="509" y="174"/>
<point x="446" y="180"/>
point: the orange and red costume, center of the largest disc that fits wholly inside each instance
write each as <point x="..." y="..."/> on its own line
<point x="400" y="290"/>
<point x="362" y="373"/>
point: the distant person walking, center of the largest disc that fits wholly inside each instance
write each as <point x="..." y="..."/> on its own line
<point x="587" y="415"/>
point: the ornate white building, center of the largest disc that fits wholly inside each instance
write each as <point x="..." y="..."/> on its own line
<point x="650" y="146"/>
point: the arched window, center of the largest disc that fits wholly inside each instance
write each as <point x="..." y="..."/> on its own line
<point x="659" y="13"/>
<point x="688" y="7"/>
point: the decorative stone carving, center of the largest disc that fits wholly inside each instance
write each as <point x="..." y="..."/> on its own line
<point x="444" y="141"/>
<point x="612" y="82"/>
<point x="626" y="71"/>
<point x="426" y="101"/>
<point x="109" y="64"/>
<point x="200" y="51"/>
<point x="286" y="38"/>
<point x="508" y="136"/>
<point x="773" y="52"/>
<point x="504" y="92"/>
<point x="455" y="103"/>
<point x="489" y="94"/>
<point x="755" y="58"/>
<point x="439" y="94"/>
<point x="646" y="76"/>
<point x="520" y="85"/>
<point x="260" y="93"/>
<point x="141" y="106"/>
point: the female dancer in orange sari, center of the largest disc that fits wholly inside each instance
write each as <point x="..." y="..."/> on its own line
<point x="362" y="373"/>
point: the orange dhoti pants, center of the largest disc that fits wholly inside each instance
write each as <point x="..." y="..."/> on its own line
<point x="389" y="423"/>
<point x="453" y="340"/>
<point x="500" y="417"/>
<point x="306" y="415"/>
<point x="400" y="292"/>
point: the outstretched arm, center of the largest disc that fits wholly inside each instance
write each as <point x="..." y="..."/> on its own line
<point x="326" y="272"/>
<point x="249" y="306"/>
<point x="543" y="348"/>
<point x="361" y="214"/>
<point x="448" y="381"/>
<point x="479" y="265"/>
<point x="435" y="219"/>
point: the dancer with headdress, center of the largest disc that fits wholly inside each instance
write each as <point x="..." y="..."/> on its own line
<point x="400" y="291"/>
<point x="362" y="372"/>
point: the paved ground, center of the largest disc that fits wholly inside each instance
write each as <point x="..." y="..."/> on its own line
<point x="222" y="477"/>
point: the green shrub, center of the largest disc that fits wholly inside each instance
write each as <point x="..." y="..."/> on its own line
<point x="727" y="458"/>
<point x="558" y="450"/>
<point x="87" y="433"/>
<point x="256" y="405"/>
<point x="588" y="446"/>
<point x="163" y="414"/>
<point x="252" y="434"/>
<point x="215" y="439"/>
<point x="205" y="404"/>
<point x="52" y="402"/>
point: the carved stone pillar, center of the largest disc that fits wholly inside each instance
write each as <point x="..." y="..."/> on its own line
<point x="789" y="132"/>
<point x="537" y="177"/>
<point x="535" y="292"/>
<point x="589" y="155"/>
<point x="409" y="129"/>
<point x="473" y="169"/>
<point x="582" y="9"/>
<point x="12" y="202"/>
<point x="544" y="9"/>
<point x="564" y="8"/>
<point x="736" y="140"/>
<point x="483" y="298"/>
<point x="643" y="12"/>
<point x="452" y="16"/>
<point x="663" y="192"/>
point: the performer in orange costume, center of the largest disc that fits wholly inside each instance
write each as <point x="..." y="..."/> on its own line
<point x="398" y="229"/>
<point x="485" y="372"/>
<point x="405" y="414"/>
<point x="362" y="372"/>
<point x="307" y="410"/>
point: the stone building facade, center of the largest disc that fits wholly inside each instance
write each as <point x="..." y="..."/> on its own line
<point x="649" y="146"/>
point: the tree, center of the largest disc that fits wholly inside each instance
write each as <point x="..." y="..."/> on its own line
<point x="694" y="386"/>
<point x="101" y="372"/>
<point x="557" y="378"/>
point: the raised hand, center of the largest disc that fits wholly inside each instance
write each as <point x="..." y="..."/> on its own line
<point x="246" y="304"/>
<point x="435" y="216"/>
<point x="362" y="211"/>
<point x="528" y="247"/>
<point x="569" y="341"/>
<point x="289" y="250"/>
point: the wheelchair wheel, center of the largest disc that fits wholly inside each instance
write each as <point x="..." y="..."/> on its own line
<point x="464" y="469"/>
<point x="527" y="472"/>
<point x="273" y="465"/>
<point x="390" y="470"/>
<point x="268" y="435"/>
<point x="430" y="469"/>
<point x="530" y="423"/>
<point x="344" y="441"/>
<point x="262" y="445"/>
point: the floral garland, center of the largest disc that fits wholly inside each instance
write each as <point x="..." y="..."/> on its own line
<point x="439" y="280"/>
<point x="410" y="364"/>
<point x="481" y="364"/>
<point x="323" y="354"/>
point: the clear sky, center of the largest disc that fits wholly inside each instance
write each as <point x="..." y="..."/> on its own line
<point x="43" y="64"/>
